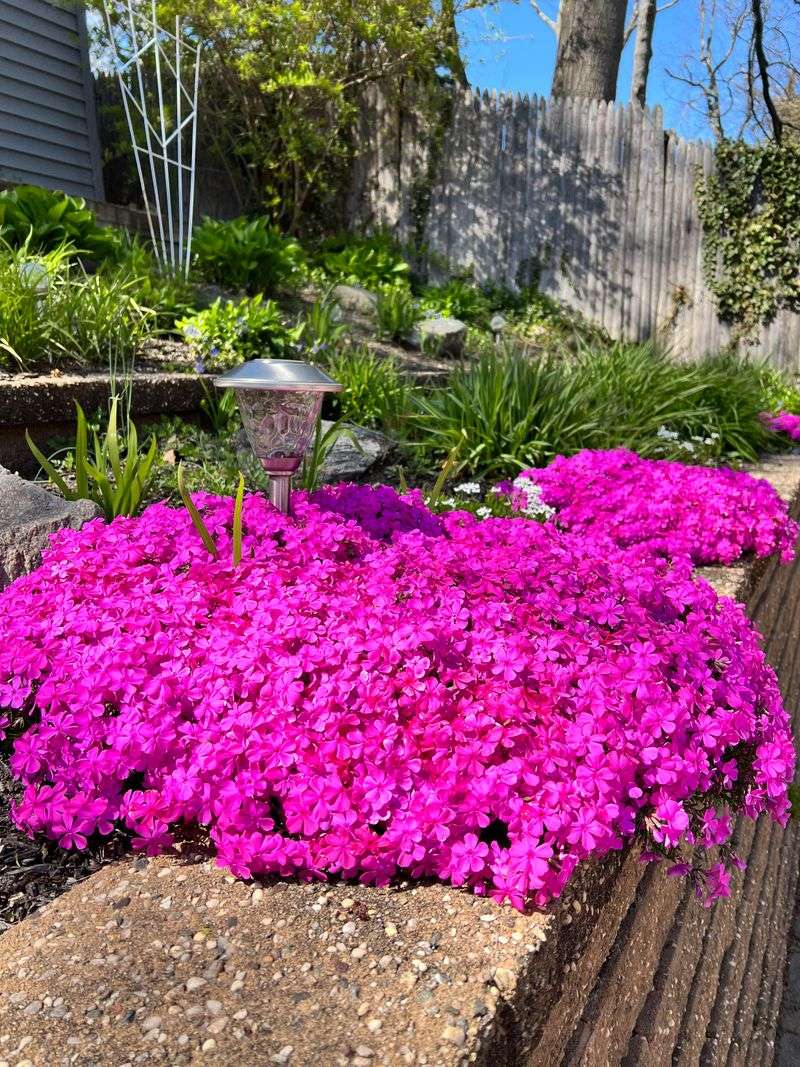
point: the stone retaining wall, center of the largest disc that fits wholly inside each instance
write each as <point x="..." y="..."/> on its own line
<point x="45" y="406"/>
<point x="157" y="961"/>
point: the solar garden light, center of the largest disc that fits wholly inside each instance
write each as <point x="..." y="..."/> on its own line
<point x="497" y="325"/>
<point x="280" y="401"/>
<point x="35" y="275"/>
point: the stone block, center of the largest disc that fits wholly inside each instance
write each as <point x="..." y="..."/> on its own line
<point x="445" y="336"/>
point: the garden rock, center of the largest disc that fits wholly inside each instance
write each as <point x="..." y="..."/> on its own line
<point x="445" y="336"/>
<point x="354" y="453"/>
<point x="356" y="299"/>
<point x="28" y="515"/>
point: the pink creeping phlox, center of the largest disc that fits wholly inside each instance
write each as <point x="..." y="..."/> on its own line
<point x="705" y="514"/>
<point x="785" y="422"/>
<point x="378" y="689"/>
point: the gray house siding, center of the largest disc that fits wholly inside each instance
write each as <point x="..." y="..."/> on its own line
<point x="48" y="131"/>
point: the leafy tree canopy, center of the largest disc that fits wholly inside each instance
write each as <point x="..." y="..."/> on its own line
<point x="281" y="81"/>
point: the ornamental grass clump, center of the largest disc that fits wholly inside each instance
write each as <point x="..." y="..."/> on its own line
<point x="705" y="514"/>
<point x="372" y="689"/>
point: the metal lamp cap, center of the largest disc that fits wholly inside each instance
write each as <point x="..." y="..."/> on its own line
<point x="287" y="375"/>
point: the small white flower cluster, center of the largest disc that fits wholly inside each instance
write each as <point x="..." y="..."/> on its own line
<point x="467" y="488"/>
<point x="534" y="508"/>
<point x="690" y="446"/>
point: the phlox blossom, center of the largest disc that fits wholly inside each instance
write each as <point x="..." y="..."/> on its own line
<point x="706" y="514"/>
<point x="377" y="690"/>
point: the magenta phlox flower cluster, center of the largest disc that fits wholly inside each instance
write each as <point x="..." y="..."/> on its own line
<point x="706" y="514"/>
<point x="784" y="422"/>
<point x="375" y="690"/>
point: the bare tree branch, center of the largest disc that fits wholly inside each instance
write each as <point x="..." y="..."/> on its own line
<point x="553" y="23"/>
<point x="645" y="24"/>
<point x="631" y="27"/>
<point x="763" y="68"/>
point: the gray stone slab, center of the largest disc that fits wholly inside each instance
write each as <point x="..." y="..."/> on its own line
<point x="29" y="514"/>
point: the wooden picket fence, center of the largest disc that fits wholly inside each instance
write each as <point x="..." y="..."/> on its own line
<point x="596" y="200"/>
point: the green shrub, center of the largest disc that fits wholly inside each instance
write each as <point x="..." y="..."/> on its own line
<point x="397" y="313"/>
<point x="513" y="409"/>
<point x="636" y="390"/>
<point x="211" y="463"/>
<point x="220" y="409"/>
<point x="231" y="332"/>
<point x="170" y="297"/>
<point x="114" y="473"/>
<point x="713" y="406"/>
<point x="323" y="327"/>
<point x="375" y="392"/>
<point x="458" y="299"/>
<point x="372" y="262"/>
<point x="251" y="255"/>
<point x="54" y="313"/>
<point x="504" y="412"/>
<point x="43" y="220"/>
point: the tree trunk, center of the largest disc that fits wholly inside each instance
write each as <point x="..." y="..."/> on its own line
<point x="643" y="51"/>
<point x="590" y="43"/>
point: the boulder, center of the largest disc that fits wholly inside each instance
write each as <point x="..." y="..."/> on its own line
<point x="354" y="453"/>
<point x="28" y="515"/>
<point x="444" y="336"/>
<point x="356" y="300"/>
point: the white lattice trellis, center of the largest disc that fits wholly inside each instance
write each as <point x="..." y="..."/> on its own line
<point x="151" y="64"/>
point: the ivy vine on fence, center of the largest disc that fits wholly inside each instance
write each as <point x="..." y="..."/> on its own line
<point x="750" y="211"/>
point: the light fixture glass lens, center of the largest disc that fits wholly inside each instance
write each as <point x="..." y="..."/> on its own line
<point x="279" y="425"/>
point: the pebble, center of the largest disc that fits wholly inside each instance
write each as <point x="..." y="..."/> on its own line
<point x="364" y="1050"/>
<point x="152" y="1022"/>
<point x="283" y="1055"/>
<point x="216" y="1026"/>
<point x="374" y="1026"/>
<point x="214" y="1007"/>
<point x="195" y="983"/>
<point x="504" y="978"/>
<point x="390" y="930"/>
<point x="454" y="1035"/>
<point x="208" y="1045"/>
<point x="33" y="1008"/>
<point x="349" y="928"/>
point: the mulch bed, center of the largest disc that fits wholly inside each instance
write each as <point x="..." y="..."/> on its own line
<point x="34" y="872"/>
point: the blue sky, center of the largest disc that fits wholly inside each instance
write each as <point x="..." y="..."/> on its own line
<point x="508" y="47"/>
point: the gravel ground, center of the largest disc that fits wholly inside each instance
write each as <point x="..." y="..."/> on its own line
<point x="35" y="872"/>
